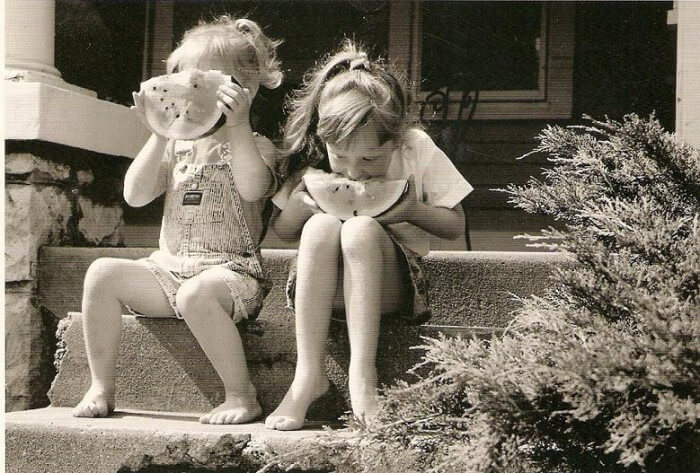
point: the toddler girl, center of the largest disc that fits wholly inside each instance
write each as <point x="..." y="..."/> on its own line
<point x="208" y="269"/>
<point x="351" y="118"/>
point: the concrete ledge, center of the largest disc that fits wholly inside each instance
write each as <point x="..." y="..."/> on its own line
<point x="37" y="111"/>
<point x="467" y="288"/>
<point x="161" y="367"/>
<point x="51" y="440"/>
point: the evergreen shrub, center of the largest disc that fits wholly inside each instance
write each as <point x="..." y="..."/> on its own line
<point x="601" y="373"/>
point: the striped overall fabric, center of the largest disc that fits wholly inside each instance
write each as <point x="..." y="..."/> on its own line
<point x="204" y="228"/>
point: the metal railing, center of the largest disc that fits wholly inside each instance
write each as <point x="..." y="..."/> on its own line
<point x="449" y="133"/>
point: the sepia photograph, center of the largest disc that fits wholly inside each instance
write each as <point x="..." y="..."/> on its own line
<point x="352" y="236"/>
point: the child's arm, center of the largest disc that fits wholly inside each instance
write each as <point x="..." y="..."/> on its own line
<point x="251" y="175"/>
<point x="442" y="222"/>
<point x="146" y="177"/>
<point x="289" y="222"/>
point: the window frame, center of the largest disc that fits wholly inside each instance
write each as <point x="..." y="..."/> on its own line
<point x="552" y="100"/>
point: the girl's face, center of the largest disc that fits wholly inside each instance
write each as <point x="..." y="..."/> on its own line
<point x="360" y="156"/>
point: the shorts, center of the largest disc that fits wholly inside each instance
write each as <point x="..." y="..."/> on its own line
<point x="415" y="310"/>
<point x="247" y="292"/>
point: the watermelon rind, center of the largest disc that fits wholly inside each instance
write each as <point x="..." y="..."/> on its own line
<point x="346" y="198"/>
<point x="182" y="106"/>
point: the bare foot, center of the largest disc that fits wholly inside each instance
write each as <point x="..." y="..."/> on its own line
<point x="234" y="410"/>
<point x="364" y="397"/>
<point x="96" y="403"/>
<point x="291" y="412"/>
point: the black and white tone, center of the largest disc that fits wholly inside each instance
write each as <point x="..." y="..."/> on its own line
<point x="352" y="236"/>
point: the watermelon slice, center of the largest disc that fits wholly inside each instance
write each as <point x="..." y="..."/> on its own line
<point x="345" y="198"/>
<point x="182" y="106"/>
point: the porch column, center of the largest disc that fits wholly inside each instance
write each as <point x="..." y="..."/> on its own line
<point x="29" y="43"/>
<point x="29" y="28"/>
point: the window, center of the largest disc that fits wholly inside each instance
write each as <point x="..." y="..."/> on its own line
<point x="487" y="60"/>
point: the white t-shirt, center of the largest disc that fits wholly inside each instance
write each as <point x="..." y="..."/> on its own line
<point x="438" y="183"/>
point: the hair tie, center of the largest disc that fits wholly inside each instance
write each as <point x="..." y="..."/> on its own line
<point x="243" y="27"/>
<point x="360" y="63"/>
<point x="337" y="69"/>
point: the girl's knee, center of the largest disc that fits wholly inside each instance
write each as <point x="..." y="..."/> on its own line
<point x="319" y="229"/>
<point x="192" y="298"/>
<point x="322" y="222"/>
<point x="101" y="275"/>
<point x="358" y="233"/>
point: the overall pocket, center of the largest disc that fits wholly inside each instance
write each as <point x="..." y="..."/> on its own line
<point x="200" y="205"/>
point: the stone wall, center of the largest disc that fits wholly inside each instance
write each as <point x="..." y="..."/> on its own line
<point x="54" y="195"/>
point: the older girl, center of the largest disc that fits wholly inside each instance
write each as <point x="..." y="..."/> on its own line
<point x="351" y="118"/>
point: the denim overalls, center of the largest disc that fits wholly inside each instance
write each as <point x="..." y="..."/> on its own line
<point x="204" y="229"/>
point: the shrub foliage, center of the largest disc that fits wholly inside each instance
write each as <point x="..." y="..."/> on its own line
<point x="601" y="374"/>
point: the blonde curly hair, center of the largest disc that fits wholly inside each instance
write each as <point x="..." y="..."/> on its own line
<point x="237" y="42"/>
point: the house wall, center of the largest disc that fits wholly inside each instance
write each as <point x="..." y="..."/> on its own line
<point x="624" y="62"/>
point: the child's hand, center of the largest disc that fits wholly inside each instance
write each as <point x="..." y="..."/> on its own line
<point x="303" y="201"/>
<point x="405" y="209"/>
<point x="234" y="101"/>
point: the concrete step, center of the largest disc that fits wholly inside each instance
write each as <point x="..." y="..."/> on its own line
<point x="50" y="440"/>
<point x="467" y="288"/>
<point x="162" y="368"/>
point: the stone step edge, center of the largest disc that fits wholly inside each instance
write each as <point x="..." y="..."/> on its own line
<point x="132" y="440"/>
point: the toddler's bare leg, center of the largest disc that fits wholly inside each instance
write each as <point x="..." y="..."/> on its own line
<point x="317" y="279"/>
<point x="109" y="282"/>
<point x="372" y="285"/>
<point x="204" y="302"/>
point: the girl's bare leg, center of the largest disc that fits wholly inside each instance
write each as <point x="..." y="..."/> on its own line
<point x="110" y="282"/>
<point x="372" y="285"/>
<point x="205" y="303"/>
<point x="317" y="278"/>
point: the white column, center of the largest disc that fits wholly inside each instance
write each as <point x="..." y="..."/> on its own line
<point x="29" y="44"/>
<point x="29" y="34"/>
<point x="687" y="16"/>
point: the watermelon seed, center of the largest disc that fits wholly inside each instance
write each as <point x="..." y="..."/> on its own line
<point x="336" y="189"/>
<point x="354" y="212"/>
<point x="347" y="186"/>
<point x="161" y="99"/>
<point x="154" y="88"/>
<point x="166" y="107"/>
<point x="177" y="116"/>
<point x="165" y="90"/>
<point x="195" y="86"/>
